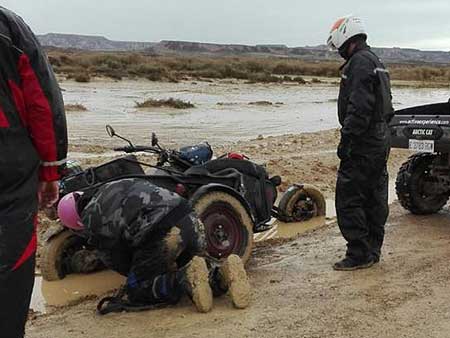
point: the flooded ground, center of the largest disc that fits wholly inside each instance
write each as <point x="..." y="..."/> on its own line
<point x="72" y="289"/>
<point x="297" y="294"/>
<point x="77" y="287"/>
<point x="223" y="111"/>
<point x="297" y="272"/>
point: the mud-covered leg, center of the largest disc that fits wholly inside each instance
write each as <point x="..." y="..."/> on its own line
<point x="192" y="236"/>
<point x="150" y="279"/>
<point x="193" y="274"/>
<point x="167" y="268"/>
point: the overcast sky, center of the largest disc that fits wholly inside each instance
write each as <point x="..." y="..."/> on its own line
<point x="421" y="24"/>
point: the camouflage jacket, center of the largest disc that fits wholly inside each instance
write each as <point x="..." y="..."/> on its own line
<point x="128" y="211"/>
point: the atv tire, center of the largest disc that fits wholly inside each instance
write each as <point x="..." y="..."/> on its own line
<point x="412" y="177"/>
<point x="301" y="203"/>
<point x="228" y="226"/>
<point x="54" y="255"/>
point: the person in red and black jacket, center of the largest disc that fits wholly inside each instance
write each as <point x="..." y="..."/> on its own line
<point x="33" y="144"/>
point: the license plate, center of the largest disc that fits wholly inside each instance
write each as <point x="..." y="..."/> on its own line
<point x="422" y="146"/>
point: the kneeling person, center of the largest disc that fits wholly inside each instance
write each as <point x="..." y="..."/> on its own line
<point x="153" y="237"/>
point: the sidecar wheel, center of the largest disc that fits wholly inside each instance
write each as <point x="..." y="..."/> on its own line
<point x="302" y="203"/>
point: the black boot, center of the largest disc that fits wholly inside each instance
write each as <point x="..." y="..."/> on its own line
<point x="350" y="264"/>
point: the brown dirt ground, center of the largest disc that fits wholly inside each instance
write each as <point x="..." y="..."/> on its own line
<point x="297" y="294"/>
<point x="295" y="291"/>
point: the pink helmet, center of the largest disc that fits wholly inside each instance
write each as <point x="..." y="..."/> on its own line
<point x="67" y="211"/>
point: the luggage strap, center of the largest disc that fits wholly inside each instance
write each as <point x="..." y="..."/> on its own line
<point x="117" y="304"/>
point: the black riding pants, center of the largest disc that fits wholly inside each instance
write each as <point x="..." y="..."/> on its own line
<point x="17" y="261"/>
<point x="362" y="204"/>
<point x="159" y="260"/>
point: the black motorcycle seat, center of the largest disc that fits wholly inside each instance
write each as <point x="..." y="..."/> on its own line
<point x="197" y="170"/>
<point x="243" y="166"/>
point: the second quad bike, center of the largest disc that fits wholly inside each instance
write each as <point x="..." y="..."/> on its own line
<point x="423" y="181"/>
<point x="233" y="196"/>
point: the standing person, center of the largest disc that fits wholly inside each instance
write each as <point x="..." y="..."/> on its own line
<point x="33" y="142"/>
<point x="364" y="109"/>
<point x="153" y="237"/>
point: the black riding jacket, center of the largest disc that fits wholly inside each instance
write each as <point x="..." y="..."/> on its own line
<point x="33" y="136"/>
<point x="364" y="104"/>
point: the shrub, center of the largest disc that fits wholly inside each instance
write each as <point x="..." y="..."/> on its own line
<point x="255" y="69"/>
<point x="264" y="78"/>
<point x="299" y="79"/>
<point x="83" y="78"/>
<point x="75" y="107"/>
<point x="171" y="103"/>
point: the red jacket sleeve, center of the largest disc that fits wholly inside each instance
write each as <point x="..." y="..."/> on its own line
<point x="44" y="106"/>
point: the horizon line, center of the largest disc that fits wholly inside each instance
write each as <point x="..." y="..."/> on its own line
<point x="235" y="44"/>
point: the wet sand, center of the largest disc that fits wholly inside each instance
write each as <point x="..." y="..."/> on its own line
<point x="297" y="294"/>
<point x="295" y="291"/>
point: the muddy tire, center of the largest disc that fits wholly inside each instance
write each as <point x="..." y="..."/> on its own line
<point x="54" y="255"/>
<point x="228" y="226"/>
<point x="411" y="186"/>
<point x="302" y="203"/>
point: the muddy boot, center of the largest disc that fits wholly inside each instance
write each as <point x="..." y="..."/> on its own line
<point x="194" y="280"/>
<point x="234" y="277"/>
<point x="349" y="264"/>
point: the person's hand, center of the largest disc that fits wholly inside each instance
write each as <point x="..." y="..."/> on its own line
<point x="48" y="194"/>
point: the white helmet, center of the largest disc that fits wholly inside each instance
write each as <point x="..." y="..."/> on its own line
<point x="344" y="29"/>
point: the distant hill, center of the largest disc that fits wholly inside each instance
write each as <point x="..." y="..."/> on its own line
<point x="100" y="43"/>
<point x="89" y="42"/>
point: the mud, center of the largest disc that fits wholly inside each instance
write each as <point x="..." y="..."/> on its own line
<point x="295" y="293"/>
<point x="72" y="289"/>
<point x="173" y="239"/>
<point x="291" y="230"/>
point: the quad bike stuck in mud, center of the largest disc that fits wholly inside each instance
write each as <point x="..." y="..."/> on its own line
<point x="233" y="196"/>
<point x="423" y="181"/>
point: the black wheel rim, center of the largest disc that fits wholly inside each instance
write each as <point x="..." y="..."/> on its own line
<point x="304" y="209"/>
<point x="423" y="189"/>
<point x="73" y="245"/>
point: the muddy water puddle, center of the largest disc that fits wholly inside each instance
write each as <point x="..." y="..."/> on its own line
<point x="290" y="230"/>
<point x="223" y="112"/>
<point x="72" y="289"/>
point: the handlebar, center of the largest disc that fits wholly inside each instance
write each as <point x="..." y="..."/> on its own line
<point x="135" y="149"/>
<point x="164" y="155"/>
